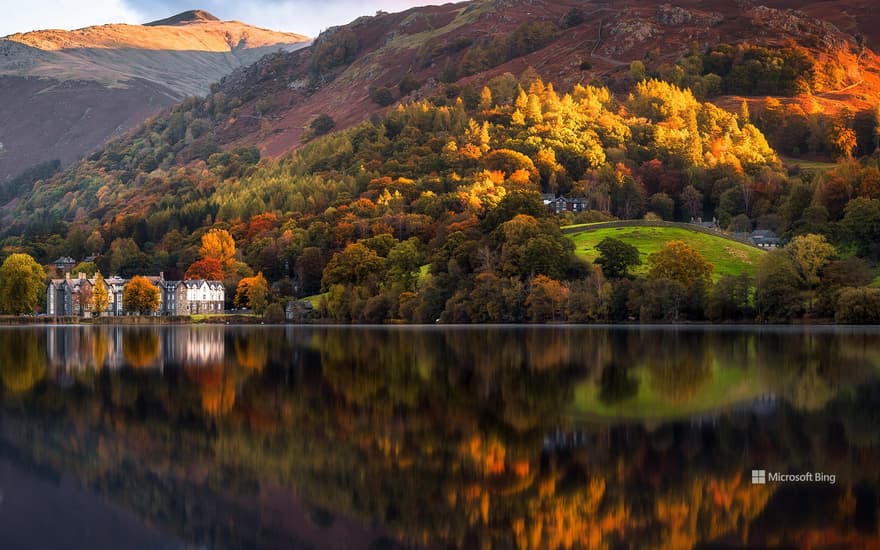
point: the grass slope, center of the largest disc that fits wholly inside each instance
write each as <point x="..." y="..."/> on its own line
<point x="729" y="257"/>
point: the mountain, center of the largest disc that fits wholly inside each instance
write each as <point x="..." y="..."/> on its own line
<point x="567" y="42"/>
<point x="63" y="93"/>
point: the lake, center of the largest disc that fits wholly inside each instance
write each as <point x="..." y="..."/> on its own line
<point x="435" y="437"/>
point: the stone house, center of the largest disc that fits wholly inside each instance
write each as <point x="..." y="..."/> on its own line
<point x="70" y="296"/>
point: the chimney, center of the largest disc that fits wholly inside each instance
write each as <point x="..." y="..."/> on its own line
<point x="162" y="275"/>
<point x="82" y="276"/>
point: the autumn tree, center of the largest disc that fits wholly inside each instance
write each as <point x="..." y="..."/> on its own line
<point x="206" y="268"/>
<point x="22" y="282"/>
<point x="677" y="261"/>
<point x="140" y="296"/>
<point x="616" y="257"/>
<point x="253" y="293"/>
<point x="219" y="245"/>
<point x="100" y="301"/>
<point x="546" y="299"/>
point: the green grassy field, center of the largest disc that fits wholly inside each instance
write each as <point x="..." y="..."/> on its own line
<point x="729" y="257"/>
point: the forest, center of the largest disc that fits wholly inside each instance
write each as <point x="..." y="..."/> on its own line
<point x="434" y="211"/>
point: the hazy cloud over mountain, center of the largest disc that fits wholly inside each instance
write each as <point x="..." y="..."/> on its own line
<point x="302" y="16"/>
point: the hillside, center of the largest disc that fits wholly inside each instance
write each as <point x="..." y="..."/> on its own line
<point x="472" y="42"/>
<point x="63" y="93"/>
<point x="728" y="256"/>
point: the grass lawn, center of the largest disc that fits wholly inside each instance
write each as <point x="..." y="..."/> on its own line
<point x="728" y="257"/>
<point x="315" y="299"/>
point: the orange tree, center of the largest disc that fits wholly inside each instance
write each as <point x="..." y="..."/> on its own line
<point x="206" y="268"/>
<point x="253" y="292"/>
<point x="219" y="245"/>
<point x="140" y="296"/>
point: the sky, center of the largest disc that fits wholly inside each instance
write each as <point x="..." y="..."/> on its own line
<point x="307" y="17"/>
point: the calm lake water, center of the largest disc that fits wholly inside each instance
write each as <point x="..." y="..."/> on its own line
<point x="489" y="437"/>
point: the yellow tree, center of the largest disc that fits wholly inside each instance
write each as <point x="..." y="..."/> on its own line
<point x="679" y="262"/>
<point x="253" y="292"/>
<point x="219" y="245"/>
<point x="140" y="296"/>
<point x="100" y="302"/>
<point x="22" y="282"/>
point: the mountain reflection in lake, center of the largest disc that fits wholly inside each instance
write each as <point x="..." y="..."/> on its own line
<point x="510" y="437"/>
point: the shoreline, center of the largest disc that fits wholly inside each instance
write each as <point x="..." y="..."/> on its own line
<point x="249" y="320"/>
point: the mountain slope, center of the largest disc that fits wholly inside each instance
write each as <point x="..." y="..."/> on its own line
<point x="472" y="42"/>
<point x="63" y="93"/>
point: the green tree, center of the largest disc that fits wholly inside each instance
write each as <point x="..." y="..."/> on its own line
<point x="322" y="124"/>
<point x="677" y="261"/>
<point x="809" y="254"/>
<point x="355" y="265"/>
<point x="140" y="296"/>
<point x="777" y="294"/>
<point x="22" y="283"/>
<point x="861" y="225"/>
<point x="729" y="299"/>
<point x="858" y="306"/>
<point x="616" y="257"/>
<point x="87" y="268"/>
<point x="637" y="71"/>
<point x="662" y="205"/>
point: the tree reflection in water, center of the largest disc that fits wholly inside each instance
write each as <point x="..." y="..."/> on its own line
<point x="477" y="437"/>
<point x="22" y="360"/>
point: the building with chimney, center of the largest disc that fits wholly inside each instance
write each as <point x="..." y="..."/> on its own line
<point x="71" y="296"/>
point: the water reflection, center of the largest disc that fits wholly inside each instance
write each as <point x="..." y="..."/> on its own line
<point x="477" y="437"/>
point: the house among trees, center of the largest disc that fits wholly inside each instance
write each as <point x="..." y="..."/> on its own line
<point x="558" y="205"/>
<point x="765" y="238"/>
<point x="64" y="264"/>
<point x="72" y="296"/>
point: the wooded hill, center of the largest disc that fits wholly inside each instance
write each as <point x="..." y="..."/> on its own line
<point x="450" y="175"/>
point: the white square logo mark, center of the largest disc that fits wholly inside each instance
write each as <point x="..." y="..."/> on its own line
<point x="759" y="477"/>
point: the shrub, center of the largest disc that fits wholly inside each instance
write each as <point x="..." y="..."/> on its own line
<point x="274" y="313"/>
<point x="322" y="124"/>
<point x="572" y="18"/>
<point x="409" y="84"/>
<point x="858" y="306"/>
<point x="381" y="96"/>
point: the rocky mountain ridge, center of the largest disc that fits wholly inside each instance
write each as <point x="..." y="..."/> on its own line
<point x="63" y="93"/>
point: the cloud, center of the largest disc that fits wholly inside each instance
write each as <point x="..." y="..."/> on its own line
<point x="64" y="14"/>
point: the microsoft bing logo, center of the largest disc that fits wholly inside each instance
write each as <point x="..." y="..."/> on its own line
<point x="759" y="477"/>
